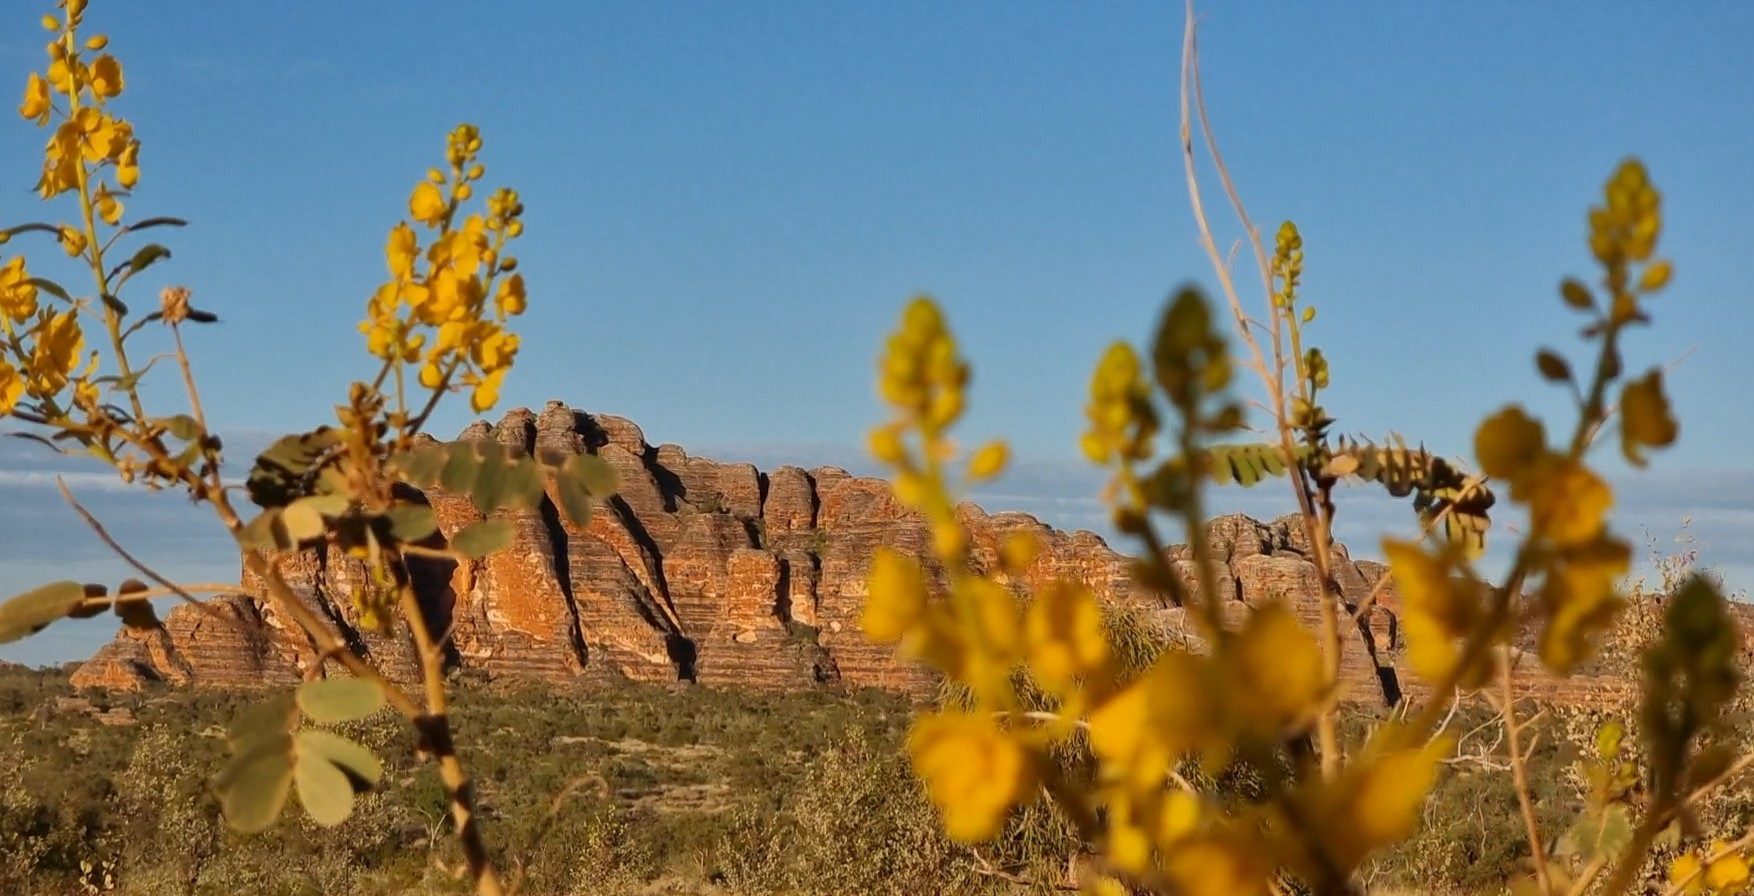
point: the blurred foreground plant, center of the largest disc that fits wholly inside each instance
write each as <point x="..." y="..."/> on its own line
<point x="1261" y="692"/>
<point x="438" y="325"/>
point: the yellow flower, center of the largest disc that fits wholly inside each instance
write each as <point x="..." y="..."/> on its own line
<point x="426" y="204"/>
<point x="1376" y="800"/>
<point x="509" y="299"/>
<point x="128" y="165"/>
<point x="1018" y="551"/>
<point x="58" y="344"/>
<point x="1579" y="600"/>
<point x="973" y="771"/>
<point x="1645" y="418"/>
<point x="1729" y="873"/>
<point x="109" y="208"/>
<point x="1437" y="611"/>
<point x="1568" y="503"/>
<point x="496" y="351"/>
<point x="1509" y="442"/>
<point x="988" y="462"/>
<point x="72" y="240"/>
<point x="997" y="613"/>
<point x="106" y="77"/>
<point x="486" y="393"/>
<point x="887" y="445"/>
<point x="36" y="106"/>
<point x="1686" y="867"/>
<point x="1275" y="667"/>
<point x="896" y="601"/>
<point x="920" y="372"/>
<point x="11" y="388"/>
<point x="1064" y="637"/>
<point x="399" y="251"/>
<point x="99" y="136"/>
<point x="1122" y="422"/>
<point x="18" y="297"/>
<point x="1213" y="866"/>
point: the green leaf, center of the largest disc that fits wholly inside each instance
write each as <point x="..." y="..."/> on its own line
<point x="594" y="473"/>
<point x="284" y="472"/>
<point x="115" y="304"/>
<point x="460" y="468"/>
<point x="161" y="221"/>
<point x="303" y="521"/>
<point x="253" y="787"/>
<point x="522" y="487"/>
<point x="1576" y="295"/>
<point x="492" y="481"/>
<point x="575" y="500"/>
<point x="411" y="522"/>
<point x="50" y="287"/>
<point x="421" y="466"/>
<point x="148" y="255"/>
<point x="324" y="791"/>
<point x="330" y="700"/>
<point x="29" y="612"/>
<point x="265" y="533"/>
<point x="15" y="230"/>
<point x="1616" y="832"/>
<point x="260" y="723"/>
<point x="1608" y="739"/>
<point x="1552" y="367"/>
<point x="482" y="538"/>
<point x="181" y="426"/>
<point x="353" y="758"/>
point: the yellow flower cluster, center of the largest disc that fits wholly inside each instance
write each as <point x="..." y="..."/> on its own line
<point x="435" y="310"/>
<point x="1122" y="421"/>
<point x="1569" y="553"/>
<point x="88" y="143"/>
<point x="1717" y="870"/>
<point x="1255" y="688"/>
<point x="88" y="134"/>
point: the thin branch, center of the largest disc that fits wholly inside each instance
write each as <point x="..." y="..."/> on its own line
<point x="147" y="571"/>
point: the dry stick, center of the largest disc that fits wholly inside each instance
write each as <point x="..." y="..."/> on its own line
<point x="150" y="593"/>
<point x="147" y="571"/>
<point x="1519" y="775"/>
<point x="435" y="728"/>
<point x="1327" y="730"/>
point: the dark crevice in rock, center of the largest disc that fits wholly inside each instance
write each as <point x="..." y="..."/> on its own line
<point x="558" y="544"/>
<point x="681" y="649"/>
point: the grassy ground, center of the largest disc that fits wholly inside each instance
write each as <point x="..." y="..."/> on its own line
<point x="628" y="790"/>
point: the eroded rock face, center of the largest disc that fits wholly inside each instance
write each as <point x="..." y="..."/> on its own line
<point x="713" y="572"/>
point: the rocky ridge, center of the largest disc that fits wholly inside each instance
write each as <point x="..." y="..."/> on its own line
<point x="706" y="571"/>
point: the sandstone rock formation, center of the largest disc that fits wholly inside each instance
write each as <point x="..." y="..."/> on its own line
<point x="706" y="571"/>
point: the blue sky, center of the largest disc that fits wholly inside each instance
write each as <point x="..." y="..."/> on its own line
<point x="729" y="203"/>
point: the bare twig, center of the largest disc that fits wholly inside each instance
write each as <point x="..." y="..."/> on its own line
<point x="103" y="534"/>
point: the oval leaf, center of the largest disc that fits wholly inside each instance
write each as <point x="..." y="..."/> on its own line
<point x="253" y="788"/>
<point x="353" y="758"/>
<point x="324" y="791"/>
<point x="575" y="499"/>
<point x="458" y="474"/>
<point x="304" y="522"/>
<point x="30" y="611"/>
<point x="411" y="522"/>
<point x="331" y="700"/>
<point x="594" y="473"/>
<point x="482" y="538"/>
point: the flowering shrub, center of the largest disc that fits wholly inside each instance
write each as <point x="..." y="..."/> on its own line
<point x="1262" y="693"/>
<point x="438" y="325"/>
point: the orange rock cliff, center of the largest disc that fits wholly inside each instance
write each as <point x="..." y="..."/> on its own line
<point x="705" y="571"/>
